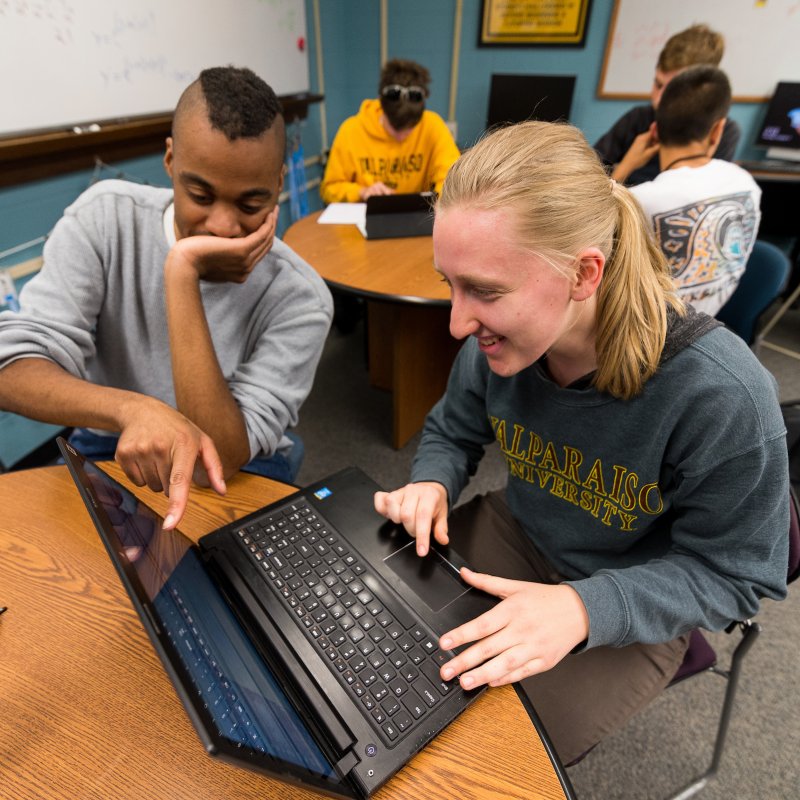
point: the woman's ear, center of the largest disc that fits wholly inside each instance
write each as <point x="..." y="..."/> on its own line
<point x="591" y="263"/>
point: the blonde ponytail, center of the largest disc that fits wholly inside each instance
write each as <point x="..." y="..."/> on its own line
<point x="632" y="303"/>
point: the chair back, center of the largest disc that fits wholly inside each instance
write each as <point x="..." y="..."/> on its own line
<point x="764" y="277"/>
<point x="794" y="537"/>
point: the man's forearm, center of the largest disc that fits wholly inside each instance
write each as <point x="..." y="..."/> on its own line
<point x="201" y="391"/>
<point x="42" y="390"/>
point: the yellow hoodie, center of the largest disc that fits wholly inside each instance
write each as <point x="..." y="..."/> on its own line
<point x="363" y="153"/>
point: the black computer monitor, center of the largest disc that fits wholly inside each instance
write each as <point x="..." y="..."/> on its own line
<point x="516" y="98"/>
<point x="781" y="129"/>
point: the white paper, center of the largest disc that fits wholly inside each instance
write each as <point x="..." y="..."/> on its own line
<point x="344" y="214"/>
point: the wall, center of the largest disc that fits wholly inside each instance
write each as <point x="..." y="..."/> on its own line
<point x="423" y="30"/>
<point x="417" y="29"/>
<point x="350" y="37"/>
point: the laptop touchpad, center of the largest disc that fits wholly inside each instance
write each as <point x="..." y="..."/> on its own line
<point x="432" y="578"/>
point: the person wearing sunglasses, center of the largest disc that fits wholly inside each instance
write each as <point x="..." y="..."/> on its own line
<point x="393" y="144"/>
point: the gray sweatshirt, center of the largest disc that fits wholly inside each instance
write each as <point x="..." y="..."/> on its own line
<point x="97" y="309"/>
<point x="666" y="512"/>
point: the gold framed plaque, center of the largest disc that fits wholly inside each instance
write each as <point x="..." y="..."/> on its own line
<point x="534" y="22"/>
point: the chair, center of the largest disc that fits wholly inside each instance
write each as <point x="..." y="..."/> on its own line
<point x="700" y="657"/>
<point x="764" y="277"/>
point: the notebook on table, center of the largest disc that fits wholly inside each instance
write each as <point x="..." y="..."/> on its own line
<point x="302" y="638"/>
<point x="393" y="216"/>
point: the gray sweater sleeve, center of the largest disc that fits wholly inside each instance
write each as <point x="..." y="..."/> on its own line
<point x="729" y="548"/>
<point x="457" y="429"/>
<point x="59" y="306"/>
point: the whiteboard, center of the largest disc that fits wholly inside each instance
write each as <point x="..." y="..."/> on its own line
<point x="762" y="43"/>
<point x="64" y="62"/>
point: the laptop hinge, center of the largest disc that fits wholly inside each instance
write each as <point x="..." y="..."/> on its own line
<point x="347" y="763"/>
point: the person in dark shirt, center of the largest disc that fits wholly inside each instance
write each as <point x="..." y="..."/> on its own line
<point x="695" y="45"/>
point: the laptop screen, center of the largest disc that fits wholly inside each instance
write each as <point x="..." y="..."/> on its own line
<point x="242" y="706"/>
<point x="781" y="126"/>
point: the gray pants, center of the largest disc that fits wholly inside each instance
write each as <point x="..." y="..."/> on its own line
<point x="588" y="695"/>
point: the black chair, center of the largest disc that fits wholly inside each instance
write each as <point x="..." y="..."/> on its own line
<point x="763" y="280"/>
<point x="700" y="657"/>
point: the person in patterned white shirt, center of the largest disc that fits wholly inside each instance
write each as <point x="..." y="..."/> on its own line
<point x="705" y="211"/>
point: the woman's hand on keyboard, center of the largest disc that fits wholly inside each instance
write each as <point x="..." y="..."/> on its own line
<point x="533" y="627"/>
<point x="420" y="508"/>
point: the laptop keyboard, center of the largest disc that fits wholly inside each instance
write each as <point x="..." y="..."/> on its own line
<point x="382" y="654"/>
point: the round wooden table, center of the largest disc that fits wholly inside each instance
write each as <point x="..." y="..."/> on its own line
<point x="87" y="710"/>
<point x="408" y="311"/>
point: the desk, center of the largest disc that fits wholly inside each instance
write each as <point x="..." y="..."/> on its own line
<point x="86" y="710"/>
<point x="780" y="201"/>
<point x="410" y="349"/>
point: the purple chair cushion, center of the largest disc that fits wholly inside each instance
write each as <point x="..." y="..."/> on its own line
<point x="700" y="655"/>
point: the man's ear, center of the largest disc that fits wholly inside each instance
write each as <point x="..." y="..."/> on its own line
<point x="281" y="179"/>
<point x="715" y="135"/>
<point x="654" y="132"/>
<point x="168" y="156"/>
<point x="591" y="263"/>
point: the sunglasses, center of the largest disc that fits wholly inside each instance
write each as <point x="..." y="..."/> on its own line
<point x="394" y="92"/>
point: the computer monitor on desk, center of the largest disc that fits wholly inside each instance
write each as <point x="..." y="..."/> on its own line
<point x="516" y="98"/>
<point x="780" y="132"/>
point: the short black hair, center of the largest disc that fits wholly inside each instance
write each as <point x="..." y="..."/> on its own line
<point x="691" y="103"/>
<point x="403" y="114"/>
<point x="238" y="103"/>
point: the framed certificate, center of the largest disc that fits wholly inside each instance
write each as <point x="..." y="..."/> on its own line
<point x="534" y="22"/>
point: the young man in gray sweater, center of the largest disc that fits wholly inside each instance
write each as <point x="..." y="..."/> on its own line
<point x="172" y="323"/>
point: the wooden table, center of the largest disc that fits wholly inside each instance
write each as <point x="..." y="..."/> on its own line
<point x="408" y="324"/>
<point x="86" y="710"/>
<point x="780" y="197"/>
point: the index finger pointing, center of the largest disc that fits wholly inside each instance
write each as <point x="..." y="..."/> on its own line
<point x="213" y="464"/>
<point x="179" y="481"/>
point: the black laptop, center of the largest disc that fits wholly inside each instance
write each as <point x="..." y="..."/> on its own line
<point x="302" y="638"/>
<point x="393" y="216"/>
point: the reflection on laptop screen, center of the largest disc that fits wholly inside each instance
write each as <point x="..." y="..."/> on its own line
<point x="242" y="696"/>
<point x="781" y="129"/>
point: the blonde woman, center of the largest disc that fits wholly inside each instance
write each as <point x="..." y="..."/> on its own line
<point x="647" y="466"/>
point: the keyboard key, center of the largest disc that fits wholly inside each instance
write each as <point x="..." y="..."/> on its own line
<point x="398" y="687"/>
<point x="431" y="672"/>
<point x="390" y="706"/>
<point x="380" y="691"/>
<point x="426" y="692"/>
<point x="379" y="715"/>
<point x="414" y="705"/>
<point x="366" y="647"/>
<point x="368" y="677"/>
<point x="403" y="721"/>
<point x="390" y="731"/>
<point x="377" y="660"/>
